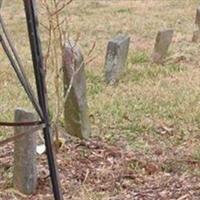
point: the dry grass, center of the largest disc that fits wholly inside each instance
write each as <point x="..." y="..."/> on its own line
<point x="153" y="108"/>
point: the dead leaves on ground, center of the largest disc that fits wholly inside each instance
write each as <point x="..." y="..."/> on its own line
<point x="104" y="168"/>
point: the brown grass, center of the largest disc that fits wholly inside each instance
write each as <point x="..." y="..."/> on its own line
<point x="153" y="108"/>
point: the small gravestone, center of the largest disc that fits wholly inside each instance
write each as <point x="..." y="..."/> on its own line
<point x="116" y="56"/>
<point x="196" y="33"/>
<point x="76" y="116"/>
<point x="25" y="171"/>
<point x="162" y="43"/>
<point x="196" y="36"/>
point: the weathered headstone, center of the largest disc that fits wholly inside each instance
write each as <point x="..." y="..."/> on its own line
<point x="197" y="19"/>
<point x="196" y="33"/>
<point x="162" y="43"/>
<point x="116" y="56"/>
<point x="76" y="116"/>
<point x="25" y="170"/>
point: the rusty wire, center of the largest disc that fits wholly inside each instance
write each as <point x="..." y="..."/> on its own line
<point x="20" y="135"/>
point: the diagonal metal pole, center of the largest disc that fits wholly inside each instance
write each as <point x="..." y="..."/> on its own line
<point x="20" y="76"/>
<point x="42" y="94"/>
<point x="17" y="65"/>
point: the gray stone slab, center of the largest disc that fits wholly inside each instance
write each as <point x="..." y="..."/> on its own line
<point x="196" y="33"/>
<point x="76" y="108"/>
<point x="162" y="43"/>
<point x="116" y="57"/>
<point x="25" y="169"/>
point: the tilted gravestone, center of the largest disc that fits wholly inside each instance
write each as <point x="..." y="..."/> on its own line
<point x="162" y="43"/>
<point x="116" y="56"/>
<point x="76" y="116"/>
<point x="25" y="170"/>
<point x="196" y="33"/>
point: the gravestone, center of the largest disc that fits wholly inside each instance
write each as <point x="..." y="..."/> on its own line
<point x="116" y="56"/>
<point x="162" y="43"/>
<point x="25" y="171"/>
<point x="196" y="33"/>
<point x="76" y="116"/>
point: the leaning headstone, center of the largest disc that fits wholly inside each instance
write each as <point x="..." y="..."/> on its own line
<point x="76" y="115"/>
<point x="116" y="56"/>
<point x="162" y="43"/>
<point x="25" y="171"/>
<point x="196" y="33"/>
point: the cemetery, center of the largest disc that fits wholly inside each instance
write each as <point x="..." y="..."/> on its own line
<point x="100" y="100"/>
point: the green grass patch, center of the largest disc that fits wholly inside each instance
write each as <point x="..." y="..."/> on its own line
<point x="151" y="72"/>
<point x="94" y="84"/>
<point x="138" y="58"/>
<point x="123" y="10"/>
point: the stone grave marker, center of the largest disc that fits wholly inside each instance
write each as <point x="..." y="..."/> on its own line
<point x="116" y="57"/>
<point x="162" y="43"/>
<point x="25" y="169"/>
<point x="76" y="115"/>
<point x="196" y="33"/>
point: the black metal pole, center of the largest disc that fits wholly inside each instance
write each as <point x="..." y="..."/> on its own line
<point x="41" y="89"/>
